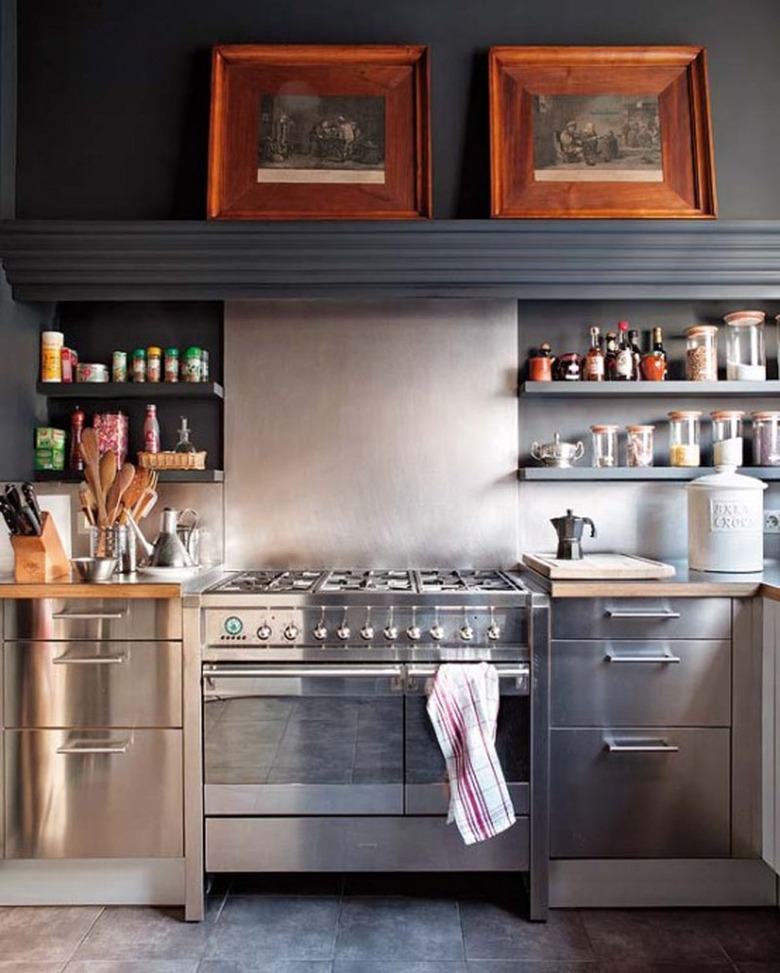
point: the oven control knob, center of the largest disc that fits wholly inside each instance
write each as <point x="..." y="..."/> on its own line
<point x="391" y="633"/>
<point x="264" y="632"/>
<point x="414" y="632"/>
<point x="493" y="632"/>
<point x="466" y="632"/>
<point x="320" y="632"/>
<point x="367" y="632"/>
<point x="291" y="632"/>
<point x="343" y="631"/>
<point x="437" y="632"/>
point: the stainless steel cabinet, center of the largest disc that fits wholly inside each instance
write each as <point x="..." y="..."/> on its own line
<point x="641" y="728"/>
<point x="92" y="729"/>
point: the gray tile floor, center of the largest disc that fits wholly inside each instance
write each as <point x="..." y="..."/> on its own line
<point x="384" y="924"/>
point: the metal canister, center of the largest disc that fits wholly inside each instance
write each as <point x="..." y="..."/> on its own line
<point x="119" y="366"/>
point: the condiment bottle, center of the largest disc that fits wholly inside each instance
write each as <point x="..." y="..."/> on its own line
<point x="610" y="354"/>
<point x="151" y="430"/>
<point x="653" y="366"/>
<point x="624" y="358"/>
<point x="540" y="365"/>
<point x="593" y="365"/>
<point x="192" y="365"/>
<point x="184" y="445"/>
<point x="75" y="462"/>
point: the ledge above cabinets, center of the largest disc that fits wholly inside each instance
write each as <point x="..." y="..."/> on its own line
<point x="51" y="260"/>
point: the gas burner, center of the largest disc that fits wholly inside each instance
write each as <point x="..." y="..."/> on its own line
<point x="249" y="582"/>
<point x="368" y="581"/>
<point x="469" y="580"/>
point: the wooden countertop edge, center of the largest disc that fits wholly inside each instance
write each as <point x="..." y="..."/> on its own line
<point x="75" y="589"/>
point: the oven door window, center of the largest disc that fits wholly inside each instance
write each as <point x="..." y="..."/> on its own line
<point x="281" y="742"/>
<point x="426" y="790"/>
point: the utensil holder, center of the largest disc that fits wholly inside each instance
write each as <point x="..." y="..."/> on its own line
<point x="42" y="558"/>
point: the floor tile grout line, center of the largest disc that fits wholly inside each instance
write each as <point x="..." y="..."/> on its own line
<point x="80" y="943"/>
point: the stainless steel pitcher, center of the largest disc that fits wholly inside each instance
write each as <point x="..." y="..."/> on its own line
<point x="168" y="551"/>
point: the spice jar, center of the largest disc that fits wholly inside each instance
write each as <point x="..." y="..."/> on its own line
<point x="745" y="354"/>
<point x="727" y="438"/>
<point x="171" y="364"/>
<point x="684" y="447"/>
<point x="605" y="445"/>
<point x="153" y="364"/>
<point x="51" y="356"/>
<point x="119" y="366"/>
<point x="639" y="445"/>
<point x="139" y="365"/>
<point x="192" y="364"/>
<point x="701" y="354"/>
<point x="766" y="439"/>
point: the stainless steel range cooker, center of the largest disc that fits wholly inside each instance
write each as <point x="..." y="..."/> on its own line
<point x="318" y="751"/>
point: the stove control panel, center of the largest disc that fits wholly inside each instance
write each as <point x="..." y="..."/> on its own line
<point x="380" y="626"/>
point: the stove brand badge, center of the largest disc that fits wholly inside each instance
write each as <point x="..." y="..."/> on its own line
<point x="733" y="516"/>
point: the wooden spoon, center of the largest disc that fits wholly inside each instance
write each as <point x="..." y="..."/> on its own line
<point x="89" y="453"/>
<point x="107" y="471"/>
<point x="117" y="490"/>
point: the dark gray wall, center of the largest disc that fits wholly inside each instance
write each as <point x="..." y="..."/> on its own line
<point x="114" y="96"/>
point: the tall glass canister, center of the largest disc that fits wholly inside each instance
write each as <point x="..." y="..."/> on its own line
<point x="684" y="448"/>
<point x="639" y="445"/>
<point x="605" y="445"/>
<point x="745" y="349"/>
<point x="766" y="438"/>
<point x="701" y="353"/>
<point x="727" y="439"/>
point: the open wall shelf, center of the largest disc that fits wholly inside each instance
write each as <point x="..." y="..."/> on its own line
<point x="636" y="473"/>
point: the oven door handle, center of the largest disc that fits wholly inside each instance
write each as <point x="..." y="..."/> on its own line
<point x="302" y="672"/>
<point x="504" y="672"/>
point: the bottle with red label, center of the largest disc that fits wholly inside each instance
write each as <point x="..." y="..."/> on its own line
<point x="151" y="430"/>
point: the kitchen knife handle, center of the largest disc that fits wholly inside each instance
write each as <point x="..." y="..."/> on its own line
<point x="28" y="491"/>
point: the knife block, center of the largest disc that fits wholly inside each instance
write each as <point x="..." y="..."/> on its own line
<point x="41" y="558"/>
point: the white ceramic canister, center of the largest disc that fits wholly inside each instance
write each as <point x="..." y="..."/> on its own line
<point x="726" y="522"/>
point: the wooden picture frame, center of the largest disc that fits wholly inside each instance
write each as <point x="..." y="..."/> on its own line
<point x="319" y="132"/>
<point x="600" y="132"/>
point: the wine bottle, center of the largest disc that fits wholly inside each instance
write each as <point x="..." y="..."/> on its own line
<point x="624" y="359"/>
<point x="593" y="369"/>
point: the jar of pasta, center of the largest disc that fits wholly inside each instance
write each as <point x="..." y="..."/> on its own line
<point x="684" y="449"/>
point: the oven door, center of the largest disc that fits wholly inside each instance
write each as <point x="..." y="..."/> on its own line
<point x="426" y="788"/>
<point x="303" y="740"/>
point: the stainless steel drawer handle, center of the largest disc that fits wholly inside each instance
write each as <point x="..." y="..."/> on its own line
<point x="656" y="746"/>
<point x="504" y="672"/>
<point x="96" y="616"/>
<point x="612" y="656"/>
<point x="89" y="660"/>
<point x="614" y="613"/>
<point x="87" y="748"/>
<point x="257" y="672"/>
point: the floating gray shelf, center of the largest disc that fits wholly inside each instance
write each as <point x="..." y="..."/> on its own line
<point x="636" y="473"/>
<point x="131" y="390"/>
<point x="633" y="390"/>
<point x="165" y="476"/>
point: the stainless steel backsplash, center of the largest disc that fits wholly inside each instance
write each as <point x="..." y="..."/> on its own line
<point x="371" y="433"/>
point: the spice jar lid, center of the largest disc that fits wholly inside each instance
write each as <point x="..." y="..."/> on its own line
<point x="139" y="353"/>
<point x="171" y="351"/>
<point x="684" y="414"/>
<point x="604" y="428"/>
<point x="727" y="414"/>
<point x="701" y="330"/>
<point x="765" y="415"/>
<point x="192" y="352"/>
<point x="153" y="350"/>
<point x="745" y="317"/>
<point x="640" y="428"/>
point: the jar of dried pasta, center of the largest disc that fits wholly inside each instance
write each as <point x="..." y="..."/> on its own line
<point x="701" y="353"/>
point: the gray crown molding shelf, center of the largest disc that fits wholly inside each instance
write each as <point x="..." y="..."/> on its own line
<point x="534" y="259"/>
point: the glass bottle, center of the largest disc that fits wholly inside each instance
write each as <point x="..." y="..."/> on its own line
<point x="605" y="445"/>
<point x="684" y="449"/>
<point x="639" y="446"/>
<point x="766" y="438"/>
<point x="624" y="359"/>
<point x="610" y="354"/>
<point x="75" y="462"/>
<point x="593" y="368"/>
<point x="745" y="353"/>
<point x="701" y="354"/>
<point x="184" y="445"/>
<point x="151" y="430"/>
<point x="653" y="366"/>
<point x="540" y="364"/>
<point x="727" y="438"/>
<point x="636" y="351"/>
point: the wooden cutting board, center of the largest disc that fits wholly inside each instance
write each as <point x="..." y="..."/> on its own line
<point x="598" y="566"/>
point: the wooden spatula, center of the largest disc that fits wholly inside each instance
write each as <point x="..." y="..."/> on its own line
<point x="117" y="490"/>
<point x="91" y="457"/>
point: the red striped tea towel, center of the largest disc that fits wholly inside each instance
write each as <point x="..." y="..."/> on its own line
<point x="463" y="707"/>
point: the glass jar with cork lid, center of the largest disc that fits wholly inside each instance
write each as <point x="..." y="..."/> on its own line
<point x="684" y="448"/>
<point x="727" y="438"/>
<point x="701" y="353"/>
<point x="745" y="352"/>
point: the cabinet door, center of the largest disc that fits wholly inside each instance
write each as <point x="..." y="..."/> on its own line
<point x="93" y="793"/>
<point x="770" y="720"/>
<point x="660" y="793"/>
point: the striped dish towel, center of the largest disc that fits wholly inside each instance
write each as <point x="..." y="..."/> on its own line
<point x="463" y="707"/>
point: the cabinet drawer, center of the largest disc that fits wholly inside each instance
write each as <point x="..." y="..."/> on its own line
<point x="637" y="618"/>
<point x="651" y="803"/>
<point x="641" y="683"/>
<point x="93" y="793"/>
<point x="70" y="684"/>
<point x="57" y="619"/>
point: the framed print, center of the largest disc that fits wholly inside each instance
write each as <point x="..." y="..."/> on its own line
<point x="319" y="132"/>
<point x="600" y="132"/>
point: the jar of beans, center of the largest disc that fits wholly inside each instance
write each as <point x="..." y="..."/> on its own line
<point x="684" y="449"/>
<point x="701" y="354"/>
<point x="766" y="438"/>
